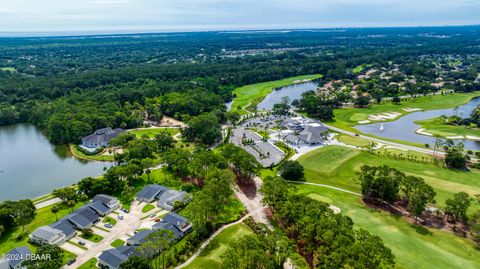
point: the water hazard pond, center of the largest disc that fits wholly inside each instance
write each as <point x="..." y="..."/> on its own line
<point x="404" y="128"/>
<point x="30" y="166"/>
<point x="293" y="92"/>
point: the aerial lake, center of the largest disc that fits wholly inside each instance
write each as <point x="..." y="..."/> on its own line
<point x="404" y="128"/>
<point x="293" y="92"/>
<point x="30" y="166"/>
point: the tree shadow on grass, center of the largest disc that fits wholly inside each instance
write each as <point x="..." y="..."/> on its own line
<point x="421" y="230"/>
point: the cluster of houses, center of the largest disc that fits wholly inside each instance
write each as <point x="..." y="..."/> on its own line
<point x="178" y="226"/>
<point x="165" y="197"/>
<point x="82" y="218"/>
<point x="113" y="258"/>
<point x="100" y="138"/>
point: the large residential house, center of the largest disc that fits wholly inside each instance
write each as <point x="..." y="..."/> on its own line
<point x="16" y="258"/>
<point x="173" y="222"/>
<point x="84" y="217"/>
<point x="113" y="258"/>
<point x="100" y="138"/>
<point x="104" y="204"/>
<point x="139" y="238"/>
<point x="47" y="235"/>
<point x="150" y="192"/>
<point x="168" y="198"/>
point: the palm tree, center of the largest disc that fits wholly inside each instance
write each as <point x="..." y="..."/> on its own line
<point x="55" y="210"/>
<point x="148" y="172"/>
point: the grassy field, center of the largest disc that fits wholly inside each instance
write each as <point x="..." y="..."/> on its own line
<point x="254" y="93"/>
<point x="152" y="132"/>
<point x="211" y="255"/>
<point x="96" y="157"/>
<point x="148" y="207"/>
<point x="95" y="238"/>
<point x="109" y="220"/>
<point x="413" y="247"/>
<point x="117" y="243"/>
<point x="438" y="127"/>
<point x="15" y="238"/>
<point x="90" y="264"/>
<point x="346" y="118"/>
<point x="338" y="166"/>
<point x="354" y="141"/>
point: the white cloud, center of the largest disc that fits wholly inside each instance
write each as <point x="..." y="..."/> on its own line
<point x="65" y="15"/>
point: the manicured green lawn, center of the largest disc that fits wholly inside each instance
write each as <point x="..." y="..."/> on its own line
<point x="414" y="247"/>
<point x="211" y="255"/>
<point x="148" y="207"/>
<point x="346" y="118"/>
<point x="437" y="126"/>
<point x="109" y="220"/>
<point x="97" y="157"/>
<point x="152" y="132"/>
<point x="117" y="243"/>
<point x="90" y="264"/>
<point x="354" y="141"/>
<point x="253" y="94"/>
<point x="95" y="238"/>
<point x="67" y="256"/>
<point x="338" y="166"/>
<point x="44" y="216"/>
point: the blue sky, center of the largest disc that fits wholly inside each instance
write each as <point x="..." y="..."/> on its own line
<point x="179" y="15"/>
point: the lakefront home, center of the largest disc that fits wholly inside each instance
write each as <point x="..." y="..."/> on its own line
<point x="100" y="138"/>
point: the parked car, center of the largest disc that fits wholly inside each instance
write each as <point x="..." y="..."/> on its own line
<point x="108" y="225"/>
<point x="124" y="210"/>
<point x="72" y="261"/>
<point x="157" y="220"/>
<point x="81" y="243"/>
<point x="152" y="215"/>
<point x="120" y="217"/>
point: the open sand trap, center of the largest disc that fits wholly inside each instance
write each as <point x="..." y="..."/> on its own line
<point x="408" y="109"/>
<point x="472" y="137"/>
<point x="335" y="209"/>
<point x="423" y="132"/>
<point x="455" y="137"/>
<point x="384" y="116"/>
<point x="363" y="121"/>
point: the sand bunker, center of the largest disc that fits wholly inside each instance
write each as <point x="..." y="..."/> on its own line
<point x="408" y="109"/>
<point x="335" y="209"/>
<point x="423" y="132"/>
<point x="384" y="116"/>
<point x="363" y="121"/>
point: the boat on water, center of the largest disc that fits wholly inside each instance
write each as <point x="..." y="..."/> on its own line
<point x="381" y="127"/>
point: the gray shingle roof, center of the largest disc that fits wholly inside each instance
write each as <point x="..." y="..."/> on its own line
<point x="83" y="216"/>
<point x="116" y="256"/>
<point x="102" y="136"/>
<point x="18" y="255"/>
<point x="175" y="219"/>
<point x="65" y="226"/>
<point x="170" y="227"/>
<point x="140" y="237"/>
<point x="150" y="191"/>
<point x="99" y="207"/>
<point x="46" y="233"/>
<point x="103" y="198"/>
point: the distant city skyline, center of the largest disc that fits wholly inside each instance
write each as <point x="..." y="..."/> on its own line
<point x="124" y="16"/>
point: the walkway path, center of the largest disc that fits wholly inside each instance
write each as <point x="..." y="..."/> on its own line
<point x="254" y="204"/>
<point x="205" y="244"/>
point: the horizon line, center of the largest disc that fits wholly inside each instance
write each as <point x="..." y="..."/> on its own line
<point x="86" y="33"/>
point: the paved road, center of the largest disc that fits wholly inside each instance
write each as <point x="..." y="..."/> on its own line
<point x="128" y="225"/>
<point x="47" y="203"/>
<point x="205" y="244"/>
